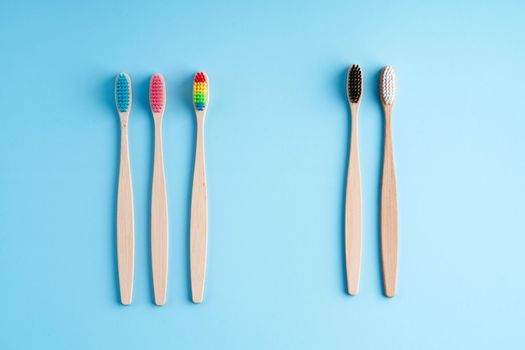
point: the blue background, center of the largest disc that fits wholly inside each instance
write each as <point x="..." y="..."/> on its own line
<point x="277" y="143"/>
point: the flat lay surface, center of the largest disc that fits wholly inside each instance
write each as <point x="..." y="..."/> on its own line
<point x="276" y="142"/>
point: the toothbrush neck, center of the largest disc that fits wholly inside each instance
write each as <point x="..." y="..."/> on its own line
<point x="200" y="116"/>
<point x="354" y="110"/>
<point x="157" y="118"/>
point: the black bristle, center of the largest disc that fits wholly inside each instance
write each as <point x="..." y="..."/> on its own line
<point x="355" y="83"/>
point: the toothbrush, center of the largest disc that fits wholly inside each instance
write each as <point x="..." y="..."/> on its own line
<point x="388" y="192"/>
<point x="159" y="206"/>
<point x="199" y="203"/>
<point x="354" y="88"/>
<point x="125" y="218"/>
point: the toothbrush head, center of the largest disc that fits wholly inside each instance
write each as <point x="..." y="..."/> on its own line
<point x="123" y="92"/>
<point x="387" y="85"/>
<point x="354" y="83"/>
<point x="200" y="91"/>
<point x="157" y="93"/>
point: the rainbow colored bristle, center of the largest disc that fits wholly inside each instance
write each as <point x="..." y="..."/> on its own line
<point x="123" y="92"/>
<point x="200" y="91"/>
<point x="157" y="93"/>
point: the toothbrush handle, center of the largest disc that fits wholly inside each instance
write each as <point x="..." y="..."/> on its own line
<point x="389" y="233"/>
<point x="159" y="221"/>
<point x="199" y="219"/>
<point x="125" y="222"/>
<point x="353" y="212"/>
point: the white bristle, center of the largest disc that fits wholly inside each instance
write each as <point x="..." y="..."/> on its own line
<point x="388" y="85"/>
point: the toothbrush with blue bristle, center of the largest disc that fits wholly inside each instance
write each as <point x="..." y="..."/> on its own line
<point x="125" y="217"/>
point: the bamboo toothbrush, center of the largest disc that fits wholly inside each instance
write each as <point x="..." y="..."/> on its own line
<point x="159" y="206"/>
<point x="388" y="193"/>
<point x="354" y="88"/>
<point x="199" y="202"/>
<point x="125" y="219"/>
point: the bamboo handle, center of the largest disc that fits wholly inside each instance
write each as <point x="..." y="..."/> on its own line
<point x="389" y="238"/>
<point x="353" y="211"/>
<point x="199" y="220"/>
<point x="159" y="221"/>
<point x="125" y="222"/>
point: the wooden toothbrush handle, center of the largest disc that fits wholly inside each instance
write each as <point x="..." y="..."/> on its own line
<point x="353" y="213"/>
<point x="199" y="220"/>
<point x="125" y="222"/>
<point x="159" y="222"/>
<point x="389" y="234"/>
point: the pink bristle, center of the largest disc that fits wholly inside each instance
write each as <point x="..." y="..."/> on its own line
<point x="156" y="93"/>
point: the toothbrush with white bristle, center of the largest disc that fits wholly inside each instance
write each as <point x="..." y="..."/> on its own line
<point x="353" y="224"/>
<point x="125" y="217"/>
<point x="199" y="201"/>
<point x="159" y="205"/>
<point x="389" y="229"/>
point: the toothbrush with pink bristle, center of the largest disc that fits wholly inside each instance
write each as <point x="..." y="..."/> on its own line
<point x="159" y="206"/>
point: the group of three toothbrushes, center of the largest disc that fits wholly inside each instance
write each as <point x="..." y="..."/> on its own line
<point x="387" y="90"/>
<point x="159" y="207"/>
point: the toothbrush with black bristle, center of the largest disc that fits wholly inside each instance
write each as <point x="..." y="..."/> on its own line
<point x="125" y="217"/>
<point x="159" y="205"/>
<point x="353" y="224"/>
<point x="389" y="229"/>
<point x="199" y="202"/>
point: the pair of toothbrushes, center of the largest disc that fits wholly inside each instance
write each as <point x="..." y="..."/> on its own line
<point x="353" y="227"/>
<point x="159" y="207"/>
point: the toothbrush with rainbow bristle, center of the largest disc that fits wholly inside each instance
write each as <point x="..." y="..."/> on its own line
<point x="389" y="233"/>
<point x="159" y="205"/>
<point x="199" y="204"/>
<point x="353" y="225"/>
<point x="125" y="217"/>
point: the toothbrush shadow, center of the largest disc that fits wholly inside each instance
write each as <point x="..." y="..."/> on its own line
<point x="107" y="96"/>
<point x="340" y="84"/>
<point x="380" y="157"/>
<point x="141" y="93"/>
<point x="184" y="98"/>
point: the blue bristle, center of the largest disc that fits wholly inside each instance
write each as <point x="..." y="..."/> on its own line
<point x="122" y="93"/>
<point x="200" y="106"/>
